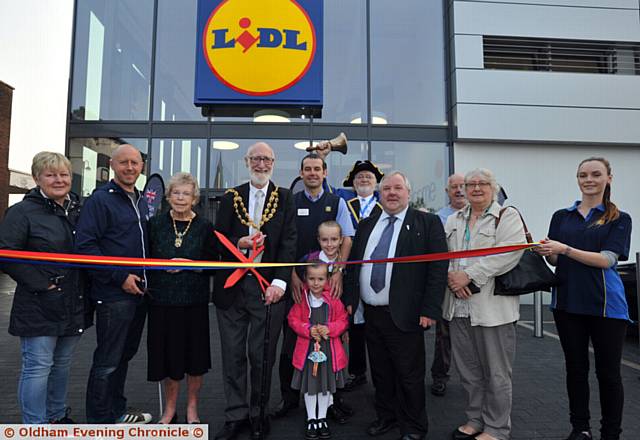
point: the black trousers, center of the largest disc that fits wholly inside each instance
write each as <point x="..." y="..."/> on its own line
<point x="397" y="368"/>
<point x="607" y="337"/>
<point x="441" y="353"/>
<point x="357" y="350"/>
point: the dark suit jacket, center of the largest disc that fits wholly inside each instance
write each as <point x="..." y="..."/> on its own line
<point x="280" y="244"/>
<point x="417" y="289"/>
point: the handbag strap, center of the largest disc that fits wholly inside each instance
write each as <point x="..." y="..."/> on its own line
<point x="527" y="234"/>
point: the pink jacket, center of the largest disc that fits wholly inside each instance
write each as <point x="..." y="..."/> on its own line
<point x="338" y="323"/>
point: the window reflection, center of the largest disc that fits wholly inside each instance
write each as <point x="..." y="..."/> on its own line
<point x="345" y="62"/>
<point x="407" y="61"/>
<point x="90" y="162"/>
<point x="228" y="167"/>
<point x="425" y="164"/>
<point x="170" y="156"/>
<point x="112" y="60"/>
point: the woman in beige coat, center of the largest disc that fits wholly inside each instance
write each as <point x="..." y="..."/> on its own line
<point x="483" y="334"/>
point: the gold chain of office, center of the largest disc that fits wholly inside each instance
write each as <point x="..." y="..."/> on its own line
<point x="267" y="213"/>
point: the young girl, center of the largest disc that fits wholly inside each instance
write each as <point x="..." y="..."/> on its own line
<point x="319" y="358"/>
<point x="330" y="240"/>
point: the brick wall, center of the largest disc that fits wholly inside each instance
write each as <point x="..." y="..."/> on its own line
<point x="6" y="96"/>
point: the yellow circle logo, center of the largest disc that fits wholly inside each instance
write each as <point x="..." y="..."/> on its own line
<point x="259" y="47"/>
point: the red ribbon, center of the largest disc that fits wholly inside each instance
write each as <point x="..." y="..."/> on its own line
<point x="239" y="273"/>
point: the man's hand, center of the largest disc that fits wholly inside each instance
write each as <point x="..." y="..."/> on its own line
<point x="273" y="295"/>
<point x="296" y="287"/>
<point x="323" y="149"/>
<point x="130" y="285"/>
<point x="336" y="284"/>
<point x="457" y="280"/>
<point x="246" y="242"/>
<point x="426" y="322"/>
<point x="177" y="270"/>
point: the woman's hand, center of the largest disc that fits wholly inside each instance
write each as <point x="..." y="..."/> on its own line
<point x="549" y="248"/>
<point x="457" y="280"/>
<point x="463" y="293"/>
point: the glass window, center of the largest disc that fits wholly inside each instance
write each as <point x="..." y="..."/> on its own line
<point x="345" y="62"/>
<point x="407" y="62"/>
<point x="112" y="60"/>
<point x="175" y="62"/>
<point x="425" y="164"/>
<point x="228" y="167"/>
<point x="170" y="156"/>
<point x="90" y="162"/>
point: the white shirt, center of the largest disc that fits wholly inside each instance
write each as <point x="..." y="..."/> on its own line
<point x="366" y="292"/>
<point x="252" y="201"/>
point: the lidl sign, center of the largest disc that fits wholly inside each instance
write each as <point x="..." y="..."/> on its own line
<point x="256" y="54"/>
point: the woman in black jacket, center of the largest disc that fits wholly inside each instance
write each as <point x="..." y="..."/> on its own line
<point x="48" y="305"/>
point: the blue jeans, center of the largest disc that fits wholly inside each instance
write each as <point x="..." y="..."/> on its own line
<point x="42" y="388"/>
<point x="119" y="328"/>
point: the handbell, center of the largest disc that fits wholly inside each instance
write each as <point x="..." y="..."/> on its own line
<point x="338" y="143"/>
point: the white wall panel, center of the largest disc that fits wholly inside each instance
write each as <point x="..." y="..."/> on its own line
<point x="548" y="124"/>
<point x="614" y="4"/>
<point x="527" y="20"/>
<point x="468" y="52"/>
<point x="540" y="179"/>
<point x="548" y="88"/>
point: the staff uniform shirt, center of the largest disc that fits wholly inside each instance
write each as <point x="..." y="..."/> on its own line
<point x="342" y="216"/>
<point x="585" y="289"/>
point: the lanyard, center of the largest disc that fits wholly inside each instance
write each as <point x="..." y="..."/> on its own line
<point x="364" y="209"/>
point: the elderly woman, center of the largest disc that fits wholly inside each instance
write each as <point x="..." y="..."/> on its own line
<point x="483" y="334"/>
<point x="178" y="333"/>
<point x="48" y="305"/>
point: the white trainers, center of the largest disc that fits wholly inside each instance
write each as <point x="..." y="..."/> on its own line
<point x="134" y="416"/>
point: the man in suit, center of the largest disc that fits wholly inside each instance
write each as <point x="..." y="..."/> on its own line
<point x="260" y="212"/>
<point x="401" y="301"/>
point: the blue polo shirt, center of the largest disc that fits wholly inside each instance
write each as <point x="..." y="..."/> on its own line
<point x="583" y="289"/>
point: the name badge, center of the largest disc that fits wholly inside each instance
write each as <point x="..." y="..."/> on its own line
<point x="303" y="212"/>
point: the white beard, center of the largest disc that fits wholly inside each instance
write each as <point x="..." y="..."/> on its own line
<point x="260" y="179"/>
<point x="364" y="191"/>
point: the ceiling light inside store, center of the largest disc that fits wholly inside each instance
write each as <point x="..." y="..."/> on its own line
<point x="270" y="116"/>
<point x="225" y="145"/>
<point x="304" y="144"/>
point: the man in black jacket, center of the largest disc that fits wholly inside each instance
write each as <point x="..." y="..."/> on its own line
<point x="401" y="301"/>
<point x="114" y="222"/>
<point x="263" y="213"/>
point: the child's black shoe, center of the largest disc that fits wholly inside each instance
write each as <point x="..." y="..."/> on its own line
<point x="312" y="430"/>
<point x="323" y="429"/>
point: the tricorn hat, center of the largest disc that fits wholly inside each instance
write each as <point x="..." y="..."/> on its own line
<point x="362" y="165"/>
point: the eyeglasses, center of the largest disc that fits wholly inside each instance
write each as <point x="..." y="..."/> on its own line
<point x="473" y="185"/>
<point x="257" y="159"/>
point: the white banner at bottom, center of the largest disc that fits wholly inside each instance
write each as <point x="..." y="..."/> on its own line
<point x="104" y="432"/>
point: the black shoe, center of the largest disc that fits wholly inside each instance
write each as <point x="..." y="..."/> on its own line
<point x="323" y="429"/>
<point x="439" y="388"/>
<point x="380" y="426"/>
<point x="259" y="430"/>
<point x="354" y="381"/>
<point x="283" y="408"/>
<point x="580" y="435"/>
<point x="311" y="433"/>
<point x="412" y="437"/>
<point x="340" y="404"/>
<point x="63" y="421"/>
<point x="459" y="435"/>
<point x="335" y="414"/>
<point x="230" y="430"/>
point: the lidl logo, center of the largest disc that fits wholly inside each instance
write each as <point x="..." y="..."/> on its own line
<point x="259" y="47"/>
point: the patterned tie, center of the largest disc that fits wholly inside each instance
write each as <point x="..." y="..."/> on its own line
<point x="379" y="270"/>
<point x="257" y="207"/>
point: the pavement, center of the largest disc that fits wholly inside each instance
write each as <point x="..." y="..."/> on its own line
<point x="540" y="406"/>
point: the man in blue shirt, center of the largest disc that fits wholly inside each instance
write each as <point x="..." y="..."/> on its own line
<point x="442" y="348"/>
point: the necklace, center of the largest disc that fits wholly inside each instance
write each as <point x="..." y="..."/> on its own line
<point x="180" y="235"/>
<point x="267" y="213"/>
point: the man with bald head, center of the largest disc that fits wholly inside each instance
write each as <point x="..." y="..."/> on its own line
<point x="113" y="222"/>
<point x="442" y="349"/>
<point x="257" y="212"/>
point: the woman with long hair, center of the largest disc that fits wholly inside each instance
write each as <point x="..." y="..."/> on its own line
<point x="585" y="243"/>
